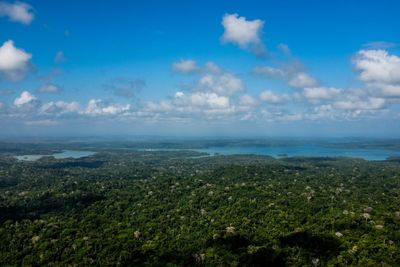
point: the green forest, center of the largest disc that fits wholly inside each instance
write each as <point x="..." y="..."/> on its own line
<point x="181" y="208"/>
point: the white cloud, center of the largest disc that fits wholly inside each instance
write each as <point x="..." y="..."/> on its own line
<point x="372" y="103"/>
<point x="59" y="108"/>
<point x="269" y="71"/>
<point x="213" y="79"/>
<point x="211" y="67"/>
<point x="24" y="99"/>
<point x="323" y="111"/>
<point x="17" y="12"/>
<point x="179" y="94"/>
<point x="222" y="84"/>
<point x="189" y="105"/>
<point x="162" y="106"/>
<point x="302" y="80"/>
<point x="99" y="107"/>
<point x="271" y="97"/>
<point x="50" y="88"/>
<point x="245" y="33"/>
<point x="378" y="66"/>
<point x="59" y="57"/>
<point x="216" y="94"/>
<point x="13" y="61"/>
<point x="209" y="96"/>
<point x="389" y="90"/>
<point x="321" y="93"/>
<point x="185" y="66"/>
<point x="272" y="115"/>
<point x="380" y="71"/>
<point x="292" y="74"/>
<point x="248" y="101"/>
<point x="211" y="100"/>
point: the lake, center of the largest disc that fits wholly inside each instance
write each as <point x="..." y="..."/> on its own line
<point x="76" y="154"/>
<point x="304" y="150"/>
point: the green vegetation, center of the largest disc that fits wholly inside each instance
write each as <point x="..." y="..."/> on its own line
<point x="175" y="208"/>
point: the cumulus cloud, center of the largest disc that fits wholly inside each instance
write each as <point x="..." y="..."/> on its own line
<point x="378" y="66"/>
<point x="17" y="12"/>
<point x="162" y="107"/>
<point x="292" y="74"/>
<point x="389" y="90"/>
<point x="273" y="98"/>
<point x="272" y="115"/>
<point x="211" y="95"/>
<point x="244" y="33"/>
<point x="213" y="79"/>
<point x="247" y="101"/>
<point x="221" y="83"/>
<point x="339" y="104"/>
<point x="380" y="71"/>
<point x="59" y="108"/>
<point x="216" y="94"/>
<point x="269" y="71"/>
<point x="321" y="93"/>
<point x="24" y="99"/>
<point x="100" y="107"/>
<point x="179" y="94"/>
<point x="185" y="66"/>
<point x="211" y="100"/>
<point x="211" y="67"/>
<point x="50" y="88"/>
<point x="192" y="102"/>
<point x="372" y="103"/>
<point x="13" y="61"/>
<point x="302" y="80"/>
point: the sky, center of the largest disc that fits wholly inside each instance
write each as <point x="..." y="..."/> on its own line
<point x="200" y="68"/>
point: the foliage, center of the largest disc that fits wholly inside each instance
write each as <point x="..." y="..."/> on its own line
<point x="168" y="208"/>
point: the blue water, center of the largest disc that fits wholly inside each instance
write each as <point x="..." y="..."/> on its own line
<point x="304" y="150"/>
<point x="61" y="155"/>
<point x="295" y="151"/>
<point x="274" y="151"/>
<point x="29" y="157"/>
<point x="73" y="154"/>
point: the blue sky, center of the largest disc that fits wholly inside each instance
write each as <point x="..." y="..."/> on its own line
<point x="232" y="68"/>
